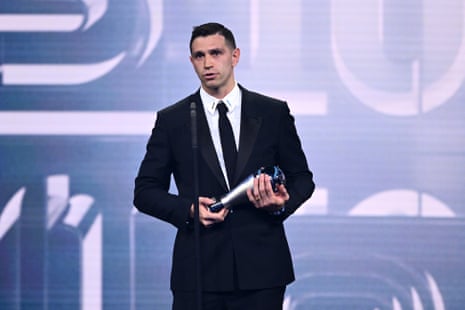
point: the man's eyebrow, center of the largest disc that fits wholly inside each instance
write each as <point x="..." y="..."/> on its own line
<point x="216" y="50"/>
<point x="198" y="53"/>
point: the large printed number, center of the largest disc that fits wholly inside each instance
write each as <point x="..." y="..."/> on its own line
<point x="406" y="77"/>
<point x="71" y="73"/>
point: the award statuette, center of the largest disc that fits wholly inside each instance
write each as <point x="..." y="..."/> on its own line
<point x="239" y="193"/>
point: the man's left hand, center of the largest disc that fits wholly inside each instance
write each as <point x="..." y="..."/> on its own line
<point x="263" y="197"/>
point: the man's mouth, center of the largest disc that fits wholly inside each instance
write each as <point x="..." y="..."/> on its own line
<point x="209" y="76"/>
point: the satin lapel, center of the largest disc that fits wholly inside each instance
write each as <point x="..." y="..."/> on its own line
<point x="250" y="125"/>
<point x="207" y="149"/>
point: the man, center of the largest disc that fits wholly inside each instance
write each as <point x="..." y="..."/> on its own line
<point x="245" y="257"/>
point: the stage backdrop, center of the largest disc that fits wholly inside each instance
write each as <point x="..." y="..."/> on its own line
<point x="377" y="90"/>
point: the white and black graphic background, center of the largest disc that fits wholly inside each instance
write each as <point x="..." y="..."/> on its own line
<point x="378" y="91"/>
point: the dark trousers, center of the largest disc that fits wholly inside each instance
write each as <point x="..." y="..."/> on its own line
<point x="265" y="299"/>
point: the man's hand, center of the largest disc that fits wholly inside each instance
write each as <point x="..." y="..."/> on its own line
<point x="206" y="217"/>
<point x="263" y="197"/>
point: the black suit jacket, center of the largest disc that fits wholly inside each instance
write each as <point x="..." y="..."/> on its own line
<point x="249" y="249"/>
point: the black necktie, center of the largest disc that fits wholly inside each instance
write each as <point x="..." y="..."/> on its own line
<point x="227" y="141"/>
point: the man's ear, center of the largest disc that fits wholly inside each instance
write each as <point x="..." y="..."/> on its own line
<point x="236" y="54"/>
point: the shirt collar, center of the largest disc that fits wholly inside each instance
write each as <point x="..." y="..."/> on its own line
<point x="231" y="100"/>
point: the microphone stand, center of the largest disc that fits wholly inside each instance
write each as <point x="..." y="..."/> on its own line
<point x="195" y="148"/>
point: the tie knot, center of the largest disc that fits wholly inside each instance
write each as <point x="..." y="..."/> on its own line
<point x="222" y="108"/>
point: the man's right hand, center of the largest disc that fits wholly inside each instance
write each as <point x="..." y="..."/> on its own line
<point x="206" y="217"/>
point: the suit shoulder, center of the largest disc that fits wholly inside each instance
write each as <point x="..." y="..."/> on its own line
<point x="178" y="112"/>
<point x="266" y="103"/>
<point x="175" y="107"/>
<point x="174" y="115"/>
<point x="263" y="98"/>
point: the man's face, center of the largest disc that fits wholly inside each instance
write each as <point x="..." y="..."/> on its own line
<point x="214" y="63"/>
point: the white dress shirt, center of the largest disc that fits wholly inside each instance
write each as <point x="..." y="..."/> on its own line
<point x="233" y="103"/>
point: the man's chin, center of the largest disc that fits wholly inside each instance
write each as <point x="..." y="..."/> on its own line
<point x="211" y="86"/>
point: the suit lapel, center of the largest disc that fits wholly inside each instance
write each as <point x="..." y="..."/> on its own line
<point x="250" y="125"/>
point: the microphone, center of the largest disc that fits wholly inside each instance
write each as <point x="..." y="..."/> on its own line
<point x="195" y="146"/>
<point x="194" y="125"/>
<point x="239" y="193"/>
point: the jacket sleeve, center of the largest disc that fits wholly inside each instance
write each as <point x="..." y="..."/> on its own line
<point x="151" y="192"/>
<point x="292" y="160"/>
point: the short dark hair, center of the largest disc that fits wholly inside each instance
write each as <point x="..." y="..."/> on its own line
<point x="211" y="29"/>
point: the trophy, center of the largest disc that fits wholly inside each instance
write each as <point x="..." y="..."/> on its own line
<point x="239" y="193"/>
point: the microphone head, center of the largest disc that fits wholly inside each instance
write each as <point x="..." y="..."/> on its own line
<point x="193" y="109"/>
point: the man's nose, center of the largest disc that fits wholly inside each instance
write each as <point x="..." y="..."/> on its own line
<point x="207" y="61"/>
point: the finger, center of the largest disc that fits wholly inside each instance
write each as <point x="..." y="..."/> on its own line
<point x="268" y="188"/>
<point x="206" y="201"/>
<point x="206" y="222"/>
<point x="262" y="184"/>
<point x="283" y="192"/>
<point x="256" y="188"/>
<point x="224" y="213"/>
<point x="255" y="200"/>
<point x="250" y="195"/>
<point x="266" y="192"/>
<point x="211" y="218"/>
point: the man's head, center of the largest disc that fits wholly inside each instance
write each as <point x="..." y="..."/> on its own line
<point x="214" y="55"/>
<point x="211" y="29"/>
